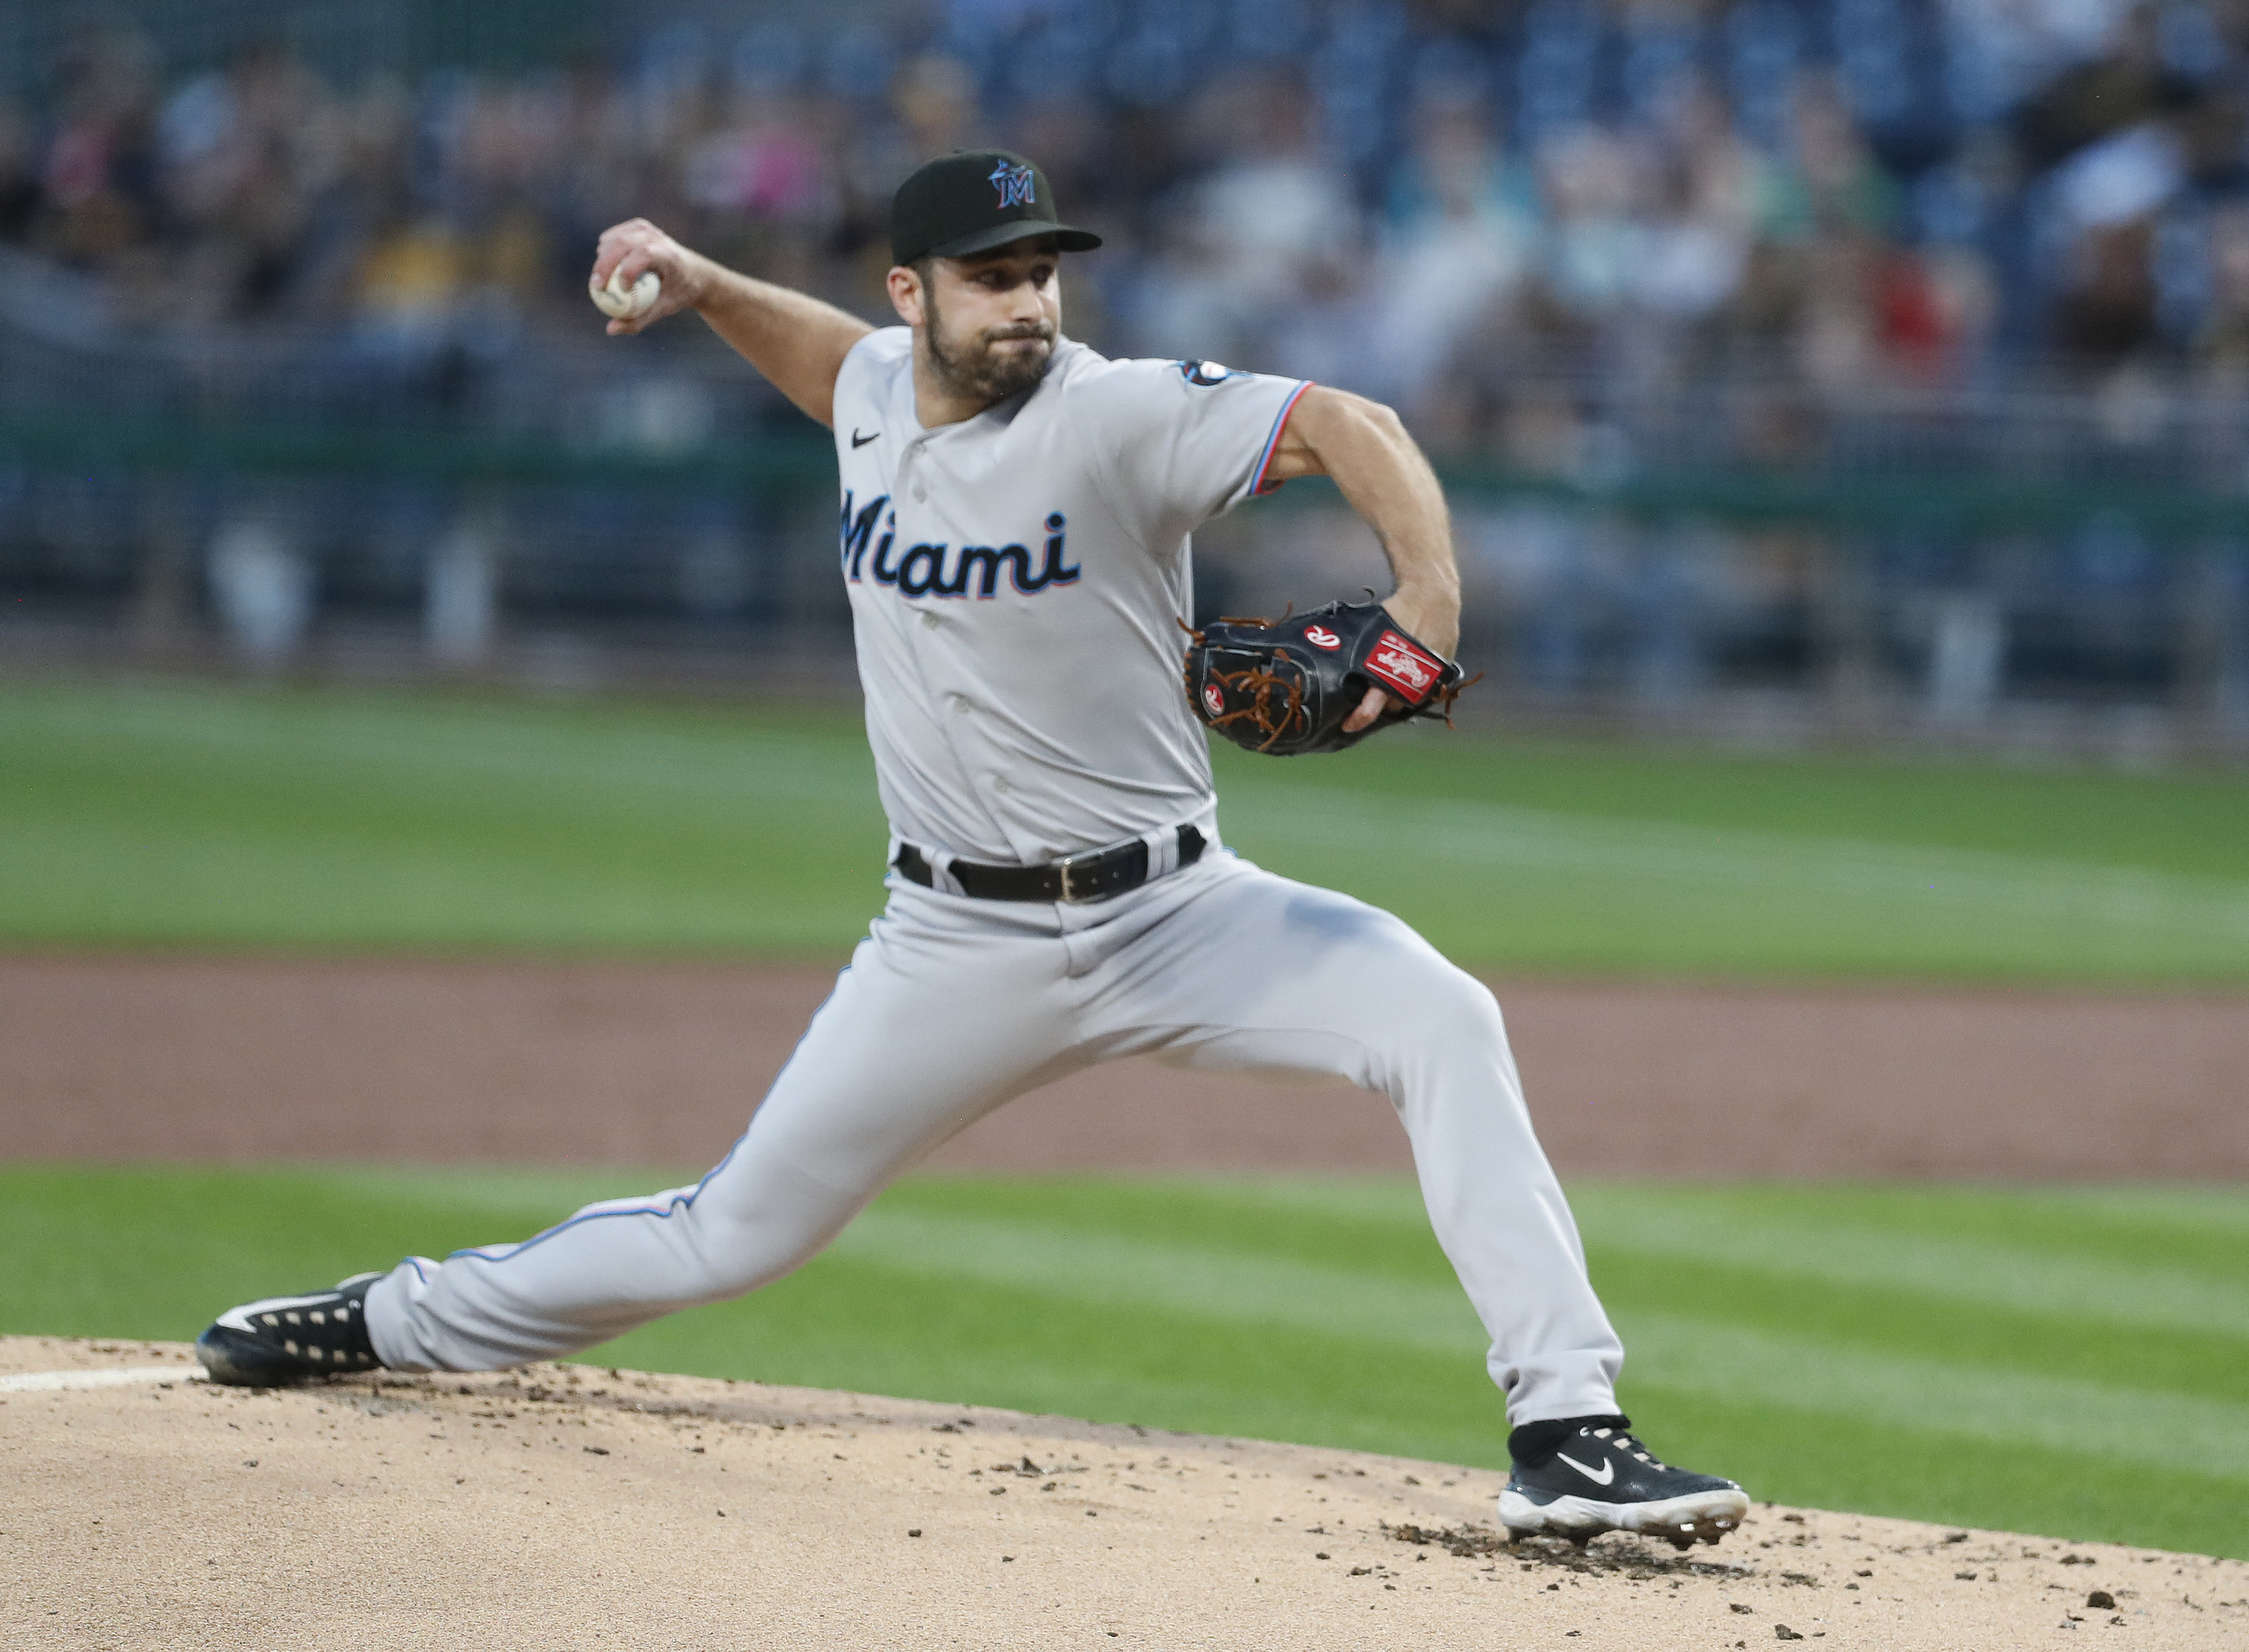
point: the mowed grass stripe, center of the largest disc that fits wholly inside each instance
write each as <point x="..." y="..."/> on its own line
<point x="2164" y="1257"/>
<point x="2165" y="1215"/>
<point x="205" y="813"/>
<point x="1999" y="1279"/>
<point x="1167" y="1276"/>
<point x="1728" y="1269"/>
<point x="1954" y="885"/>
<point x="1938" y="1399"/>
<point x="2183" y="822"/>
<point x="1934" y="1396"/>
<point x="85" y="885"/>
<point x="1858" y="1255"/>
<point x="732" y="756"/>
<point x="1661" y="895"/>
<point x="1834" y="1460"/>
<point x="362" y="820"/>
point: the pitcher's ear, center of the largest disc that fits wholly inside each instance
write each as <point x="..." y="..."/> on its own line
<point x="904" y="283"/>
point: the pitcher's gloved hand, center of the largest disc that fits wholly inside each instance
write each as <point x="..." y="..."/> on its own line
<point x="1285" y="687"/>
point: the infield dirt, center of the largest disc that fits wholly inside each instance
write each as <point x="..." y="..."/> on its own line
<point x="565" y="1507"/>
<point x="659" y="1065"/>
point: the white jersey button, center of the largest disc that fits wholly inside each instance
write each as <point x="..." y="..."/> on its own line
<point x="929" y="619"/>
<point x="1001" y="784"/>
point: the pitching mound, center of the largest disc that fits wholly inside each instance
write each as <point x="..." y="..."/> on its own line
<point x="562" y="1506"/>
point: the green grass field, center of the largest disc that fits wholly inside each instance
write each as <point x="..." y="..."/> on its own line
<point x="2070" y="1362"/>
<point x="204" y="816"/>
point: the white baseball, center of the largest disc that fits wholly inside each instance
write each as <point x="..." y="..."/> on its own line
<point x="625" y="304"/>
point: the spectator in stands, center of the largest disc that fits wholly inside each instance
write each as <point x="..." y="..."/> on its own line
<point x="1460" y="233"/>
<point x="97" y="173"/>
<point x="242" y="156"/>
<point x="1833" y="181"/>
<point x="1701" y="227"/>
<point x="1275" y="208"/>
<point x="1596" y="183"/>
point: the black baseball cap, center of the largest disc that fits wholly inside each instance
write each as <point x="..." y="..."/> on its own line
<point x="972" y="201"/>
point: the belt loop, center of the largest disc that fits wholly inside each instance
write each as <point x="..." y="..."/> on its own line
<point x="940" y="872"/>
<point x="938" y="861"/>
<point x="1163" y="851"/>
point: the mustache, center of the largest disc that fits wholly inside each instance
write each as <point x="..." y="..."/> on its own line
<point x="1044" y="330"/>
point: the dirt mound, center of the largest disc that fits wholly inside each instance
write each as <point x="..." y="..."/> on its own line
<point x="563" y="1506"/>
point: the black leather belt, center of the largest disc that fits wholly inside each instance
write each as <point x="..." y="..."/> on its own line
<point x="1081" y="877"/>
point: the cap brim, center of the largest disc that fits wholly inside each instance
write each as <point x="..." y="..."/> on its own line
<point x="999" y="234"/>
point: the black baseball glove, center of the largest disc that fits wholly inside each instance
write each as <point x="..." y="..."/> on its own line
<point x="1285" y="686"/>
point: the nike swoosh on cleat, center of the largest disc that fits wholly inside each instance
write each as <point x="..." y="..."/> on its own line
<point x="858" y="441"/>
<point x="1608" y="1473"/>
<point x="238" y="1319"/>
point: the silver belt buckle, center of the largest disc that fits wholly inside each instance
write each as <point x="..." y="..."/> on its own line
<point x="1068" y="892"/>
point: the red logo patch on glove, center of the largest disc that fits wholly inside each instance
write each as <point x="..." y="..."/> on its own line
<point x="1405" y="670"/>
<point x="1286" y="686"/>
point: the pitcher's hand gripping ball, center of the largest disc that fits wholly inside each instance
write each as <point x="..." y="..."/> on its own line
<point x="620" y="303"/>
<point x="1284" y="688"/>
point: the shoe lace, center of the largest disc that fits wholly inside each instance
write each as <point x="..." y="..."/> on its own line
<point x="1623" y="1440"/>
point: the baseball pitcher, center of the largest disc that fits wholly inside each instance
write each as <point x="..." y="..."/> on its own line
<point x="1014" y="533"/>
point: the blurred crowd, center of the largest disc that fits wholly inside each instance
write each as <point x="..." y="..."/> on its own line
<point x="1419" y="200"/>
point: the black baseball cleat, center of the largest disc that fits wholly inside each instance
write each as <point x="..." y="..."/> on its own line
<point x="291" y="1339"/>
<point x="1579" y="1476"/>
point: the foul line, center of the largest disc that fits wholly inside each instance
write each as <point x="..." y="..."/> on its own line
<point x="130" y="1376"/>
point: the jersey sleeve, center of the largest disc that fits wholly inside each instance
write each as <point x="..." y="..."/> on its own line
<point x="1179" y="443"/>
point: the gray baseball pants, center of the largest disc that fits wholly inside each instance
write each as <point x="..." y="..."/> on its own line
<point x="952" y="1006"/>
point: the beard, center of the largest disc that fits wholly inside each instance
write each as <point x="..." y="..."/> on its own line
<point x="972" y="368"/>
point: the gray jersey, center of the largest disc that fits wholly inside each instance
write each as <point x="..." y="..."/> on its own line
<point x="1017" y="584"/>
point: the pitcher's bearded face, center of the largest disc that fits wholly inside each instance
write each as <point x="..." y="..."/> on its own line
<point x="989" y="364"/>
<point x="991" y="319"/>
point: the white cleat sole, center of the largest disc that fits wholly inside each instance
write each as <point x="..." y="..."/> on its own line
<point x="1707" y="1515"/>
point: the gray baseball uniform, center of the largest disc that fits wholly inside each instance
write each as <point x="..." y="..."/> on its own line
<point x="1017" y="583"/>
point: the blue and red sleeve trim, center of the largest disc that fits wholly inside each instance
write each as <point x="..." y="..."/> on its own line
<point x="1258" y="483"/>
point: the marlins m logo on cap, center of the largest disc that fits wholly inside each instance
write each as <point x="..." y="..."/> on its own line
<point x="1017" y="185"/>
<point x="947" y="207"/>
